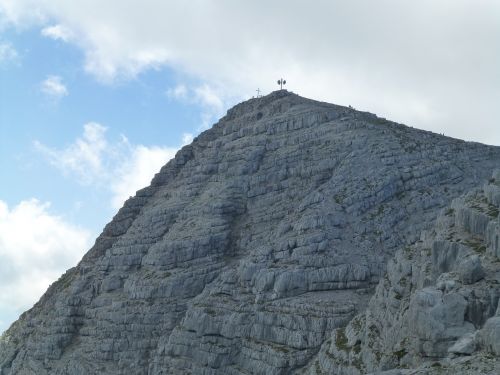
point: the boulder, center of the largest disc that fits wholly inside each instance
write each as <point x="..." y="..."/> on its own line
<point x="470" y="270"/>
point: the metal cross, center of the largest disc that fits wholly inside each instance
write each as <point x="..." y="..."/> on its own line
<point x="281" y="82"/>
<point x="258" y="93"/>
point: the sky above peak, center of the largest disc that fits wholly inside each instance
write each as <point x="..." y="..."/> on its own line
<point x="97" y="96"/>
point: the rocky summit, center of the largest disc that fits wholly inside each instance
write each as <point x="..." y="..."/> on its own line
<point x="293" y="237"/>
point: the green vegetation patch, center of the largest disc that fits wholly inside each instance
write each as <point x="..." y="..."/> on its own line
<point x="449" y="212"/>
<point x="400" y="354"/>
<point x="341" y="340"/>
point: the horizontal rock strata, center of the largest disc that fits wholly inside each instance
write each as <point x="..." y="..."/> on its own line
<point x="252" y="250"/>
<point x="436" y="311"/>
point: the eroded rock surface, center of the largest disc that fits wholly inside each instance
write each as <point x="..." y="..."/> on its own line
<point x="253" y="249"/>
<point x="436" y="311"/>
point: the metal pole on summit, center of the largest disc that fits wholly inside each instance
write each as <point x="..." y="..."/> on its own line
<point x="281" y="82"/>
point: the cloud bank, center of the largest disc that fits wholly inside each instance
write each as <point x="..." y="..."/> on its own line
<point x="137" y="171"/>
<point x="118" y="166"/>
<point x="211" y="100"/>
<point x="430" y="64"/>
<point x="36" y="247"/>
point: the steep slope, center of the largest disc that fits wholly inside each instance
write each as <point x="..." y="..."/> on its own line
<point x="257" y="241"/>
<point x="437" y="309"/>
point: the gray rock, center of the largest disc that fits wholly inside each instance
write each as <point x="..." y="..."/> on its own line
<point x="437" y="299"/>
<point x="465" y="345"/>
<point x="470" y="270"/>
<point x="489" y="335"/>
<point x="261" y="248"/>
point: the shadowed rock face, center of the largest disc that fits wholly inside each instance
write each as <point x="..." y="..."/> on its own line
<point x="251" y="247"/>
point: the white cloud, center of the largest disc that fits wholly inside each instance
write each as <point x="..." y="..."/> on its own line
<point x="36" y="247"/>
<point x="119" y="166"/>
<point x="57" y="32"/>
<point x="178" y="92"/>
<point x="187" y="138"/>
<point x="54" y="87"/>
<point x="211" y="100"/>
<point x="425" y="73"/>
<point x="7" y="52"/>
<point x="429" y="64"/>
<point x="84" y="157"/>
<point x="137" y="171"/>
<point x="207" y="96"/>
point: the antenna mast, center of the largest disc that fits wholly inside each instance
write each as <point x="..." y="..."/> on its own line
<point x="281" y="82"/>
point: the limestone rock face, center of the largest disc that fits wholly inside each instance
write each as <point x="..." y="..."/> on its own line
<point x="465" y="345"/>
<point x="256" y="250"/>
<point x="436" y="309"/>
<point x="490" y="335"/>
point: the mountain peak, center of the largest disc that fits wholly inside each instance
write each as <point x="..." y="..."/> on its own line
<point x="251" y="247"/>
<point x="260" y="103"/>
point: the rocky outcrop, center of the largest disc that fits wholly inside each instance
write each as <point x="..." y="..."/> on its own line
<point x="253" y="249"/>
<point x="437" y="308"/>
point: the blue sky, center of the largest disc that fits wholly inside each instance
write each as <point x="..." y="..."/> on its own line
<point x="96" y="96"/>
<point x="138" y="109"/>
